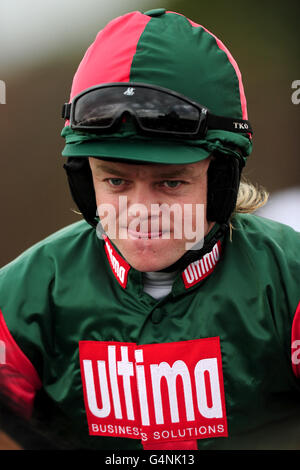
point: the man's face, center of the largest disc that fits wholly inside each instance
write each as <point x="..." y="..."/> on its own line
<point x="152" y="213"/>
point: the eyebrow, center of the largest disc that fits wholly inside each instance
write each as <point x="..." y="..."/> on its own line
<point x="187" y="171"/>
<point x="108" y="169"/>
<point x="169" y="173"/>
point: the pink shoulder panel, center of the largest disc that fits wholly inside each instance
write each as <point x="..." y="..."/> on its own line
<point x="19" y="380"/>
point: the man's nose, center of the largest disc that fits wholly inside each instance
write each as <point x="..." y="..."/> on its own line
<point x="143" y="194"/>
<point x="143" y="200"/>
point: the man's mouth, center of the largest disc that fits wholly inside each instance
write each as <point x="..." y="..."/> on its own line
<point x="134" y="234"/>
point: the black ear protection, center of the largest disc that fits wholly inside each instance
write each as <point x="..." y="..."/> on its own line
<point x="223" y="180"/>
<point x="81" y="185"/>
<point x="222" y="187"/>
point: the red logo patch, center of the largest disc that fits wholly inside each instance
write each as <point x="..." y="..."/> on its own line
<point x="201" y="268"/>
<point x="118" y="265"/>
<point x="154" y="392"/>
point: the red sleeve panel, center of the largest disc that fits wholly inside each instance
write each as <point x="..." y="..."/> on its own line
<point x="19" y="380"/>
<point x="295" y="343"/>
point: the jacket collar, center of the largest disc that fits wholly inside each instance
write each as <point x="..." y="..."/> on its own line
<point x="192" y="275"/>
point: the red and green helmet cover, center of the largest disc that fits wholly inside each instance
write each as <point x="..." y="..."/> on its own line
<point x="166" y="49"/>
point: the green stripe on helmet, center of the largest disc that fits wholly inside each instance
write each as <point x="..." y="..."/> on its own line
<point x="174" y="54"/>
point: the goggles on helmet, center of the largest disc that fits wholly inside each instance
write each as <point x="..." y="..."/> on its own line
<point x="156" y="111"/>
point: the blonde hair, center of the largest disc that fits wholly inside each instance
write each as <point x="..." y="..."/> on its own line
<point x="250" y="197"/>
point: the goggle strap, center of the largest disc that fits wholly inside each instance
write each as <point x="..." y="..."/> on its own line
<point x="66" y="110"/>
<point x="228" y="124"/>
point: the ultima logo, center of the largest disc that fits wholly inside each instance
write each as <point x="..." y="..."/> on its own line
<point x="154" y="392"/>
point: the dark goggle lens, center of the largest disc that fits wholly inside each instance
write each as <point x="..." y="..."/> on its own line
<point x="96" y="109"/>
<point x="154" y="110"/>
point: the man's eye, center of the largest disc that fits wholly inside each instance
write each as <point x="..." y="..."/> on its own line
<point x="172" y="184"/>
<point x="115" y="181"/>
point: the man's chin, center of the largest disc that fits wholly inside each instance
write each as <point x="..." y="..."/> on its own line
<point x="149" y="254"/>
<point x="151" y="267"/>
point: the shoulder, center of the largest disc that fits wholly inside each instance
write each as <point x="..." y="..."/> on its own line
<point x="30" y="284"/>
<point x="259" y="231"/>
<point x="55" y="246"/>
<point x="268" y="251"/>
<point x="65" y="252"/>
<point x="65" y="237"/>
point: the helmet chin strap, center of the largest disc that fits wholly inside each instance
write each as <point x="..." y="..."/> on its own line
<point x="193" y="255"/>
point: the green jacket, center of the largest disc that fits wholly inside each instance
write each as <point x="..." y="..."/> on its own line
<point x="213" y="365"/>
